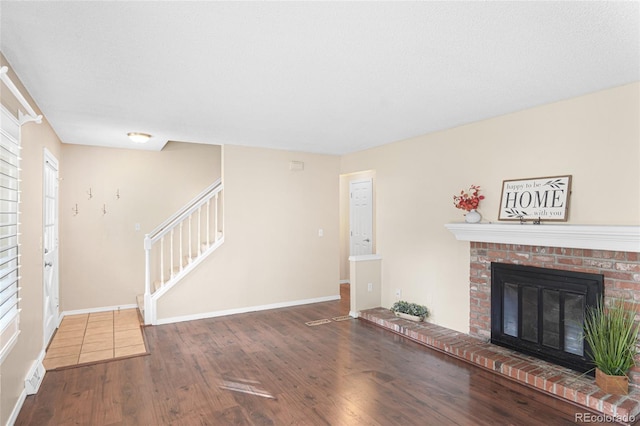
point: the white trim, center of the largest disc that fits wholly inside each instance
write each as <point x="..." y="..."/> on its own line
<point x="16" y="409"/>
<point x="32" y="116"/>
<point x="245" y="310"/>
<point x="95" y="310"/>
<point x="598" y="237"/>
<point x="365" y="257"/>
<point x="344" y="281"/>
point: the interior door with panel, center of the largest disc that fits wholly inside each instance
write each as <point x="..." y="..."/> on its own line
<point x="361" y="217"/>
<point x="50" y="246"/>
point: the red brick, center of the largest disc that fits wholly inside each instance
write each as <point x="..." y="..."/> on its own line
<point x="619" y="255"/>
<point x="597" y="263"/>
<point x="517" y="256"/>
<point x="626" y="285"/>
<point x="575" y="261"/>
<point x="617" y="275"/>
<point x="630" y="267"/>
<point x="601" y="254"/>
<point x="481" y="295"/>
<point x="542" y="258"/>
<point x="570" y="394"/>
<point x="595" y="399"/>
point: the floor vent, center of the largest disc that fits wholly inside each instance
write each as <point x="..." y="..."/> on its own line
<point x="34" y="378"/>
<point x="318" y="322"/>
<point x="342" y="318"/>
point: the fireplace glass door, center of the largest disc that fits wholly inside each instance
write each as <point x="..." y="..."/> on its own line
<point x="541" y="311"/>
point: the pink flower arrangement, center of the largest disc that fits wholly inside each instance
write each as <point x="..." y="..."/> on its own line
<point x="468" y="200"/>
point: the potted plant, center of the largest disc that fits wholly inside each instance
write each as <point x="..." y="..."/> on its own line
<point x="612" y="335"/>
<point x="410" y="311"/>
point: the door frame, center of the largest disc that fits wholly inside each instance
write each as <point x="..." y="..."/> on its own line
<point x="48" y="157"/>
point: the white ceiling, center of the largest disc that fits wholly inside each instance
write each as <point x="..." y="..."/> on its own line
<point x="327" y="77"/>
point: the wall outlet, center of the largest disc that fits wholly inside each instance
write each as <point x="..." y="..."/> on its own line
<point x="370" y="287"/>
<point x="398" y="293"/>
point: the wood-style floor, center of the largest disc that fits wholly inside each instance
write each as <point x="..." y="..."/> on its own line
<point x="269" y="368"/>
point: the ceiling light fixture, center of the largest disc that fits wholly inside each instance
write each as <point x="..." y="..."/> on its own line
<point x="138" y="137"/>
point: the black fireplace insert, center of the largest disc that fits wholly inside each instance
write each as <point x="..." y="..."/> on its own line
<point x="540" y="312"/>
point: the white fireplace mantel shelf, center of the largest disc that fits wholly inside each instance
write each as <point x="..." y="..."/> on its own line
<point x="597" y="237"/>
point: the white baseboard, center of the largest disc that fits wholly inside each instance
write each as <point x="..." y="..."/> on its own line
<point x="226" y="312"/>
<point x="16" y="410"/>
<point x="31" y="385"/>
<point x="354" y="314"/>
<point x="344" y="281"/>
<point x="94" y="310"/>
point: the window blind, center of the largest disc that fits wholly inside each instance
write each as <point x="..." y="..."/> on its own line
<point x="9" y="235"/>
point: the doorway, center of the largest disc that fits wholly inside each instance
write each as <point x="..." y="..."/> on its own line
<point x="362" y="217"/>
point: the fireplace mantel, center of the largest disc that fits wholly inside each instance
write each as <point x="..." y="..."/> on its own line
<point x="597" y="237"/>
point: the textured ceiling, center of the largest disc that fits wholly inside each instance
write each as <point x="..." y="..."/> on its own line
<point x="328" y="77"/>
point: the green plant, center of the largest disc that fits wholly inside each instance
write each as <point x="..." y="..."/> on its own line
<point x="410" y="308"/>
<point x="612" y="335"/>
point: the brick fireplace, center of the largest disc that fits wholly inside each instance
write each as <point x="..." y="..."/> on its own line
<point x="611" y="251"/>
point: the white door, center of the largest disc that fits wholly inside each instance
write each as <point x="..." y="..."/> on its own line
<point x="50" y="245"/>
<point x="361" y="216"/>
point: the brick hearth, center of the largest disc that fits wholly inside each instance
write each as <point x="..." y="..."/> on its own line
<point x="546" y="377"/>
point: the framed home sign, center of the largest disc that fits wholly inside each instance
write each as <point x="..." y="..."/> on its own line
<point x="544" y="198"/>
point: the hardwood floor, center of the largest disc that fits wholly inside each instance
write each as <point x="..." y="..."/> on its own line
<point x="269" y="368"/>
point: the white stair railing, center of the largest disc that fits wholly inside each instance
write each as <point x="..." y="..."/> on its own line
<point x="171" y="245"/>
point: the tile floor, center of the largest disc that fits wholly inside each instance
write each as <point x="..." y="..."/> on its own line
<point x="95" y="337"/>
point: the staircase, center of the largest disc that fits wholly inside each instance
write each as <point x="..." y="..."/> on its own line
<point x="179" y="244"/>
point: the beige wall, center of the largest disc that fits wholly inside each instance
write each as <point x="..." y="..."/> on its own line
<point x="272" y="253"/>
<point x="362" y="273"/>
<point x="595" y="138"/>
<point x="102" y="255"/>
<point x="35" y="137"/>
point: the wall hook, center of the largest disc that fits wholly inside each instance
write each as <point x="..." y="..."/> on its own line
<point x="90" y="194"/>
<point x="75" y="210"/>
<point x="118" y="194"/>
<point x="104" y="209"/>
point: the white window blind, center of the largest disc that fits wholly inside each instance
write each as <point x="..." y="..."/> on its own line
<point x="9" y="222"/>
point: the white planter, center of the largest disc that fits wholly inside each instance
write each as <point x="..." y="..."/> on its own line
<point x="409" y="317"/>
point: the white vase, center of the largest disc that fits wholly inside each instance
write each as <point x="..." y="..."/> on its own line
<point x="473" y="217"/>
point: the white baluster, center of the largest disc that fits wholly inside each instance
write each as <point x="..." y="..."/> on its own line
<point x="181" y="258"/>
<point x="190" y="241"/>
<point x="162" y="260"/>
<point x="199" y="231"/>
<point x="171" y="252"/>
<point x="215" y="222"/>
<point x="208" y="215"/>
